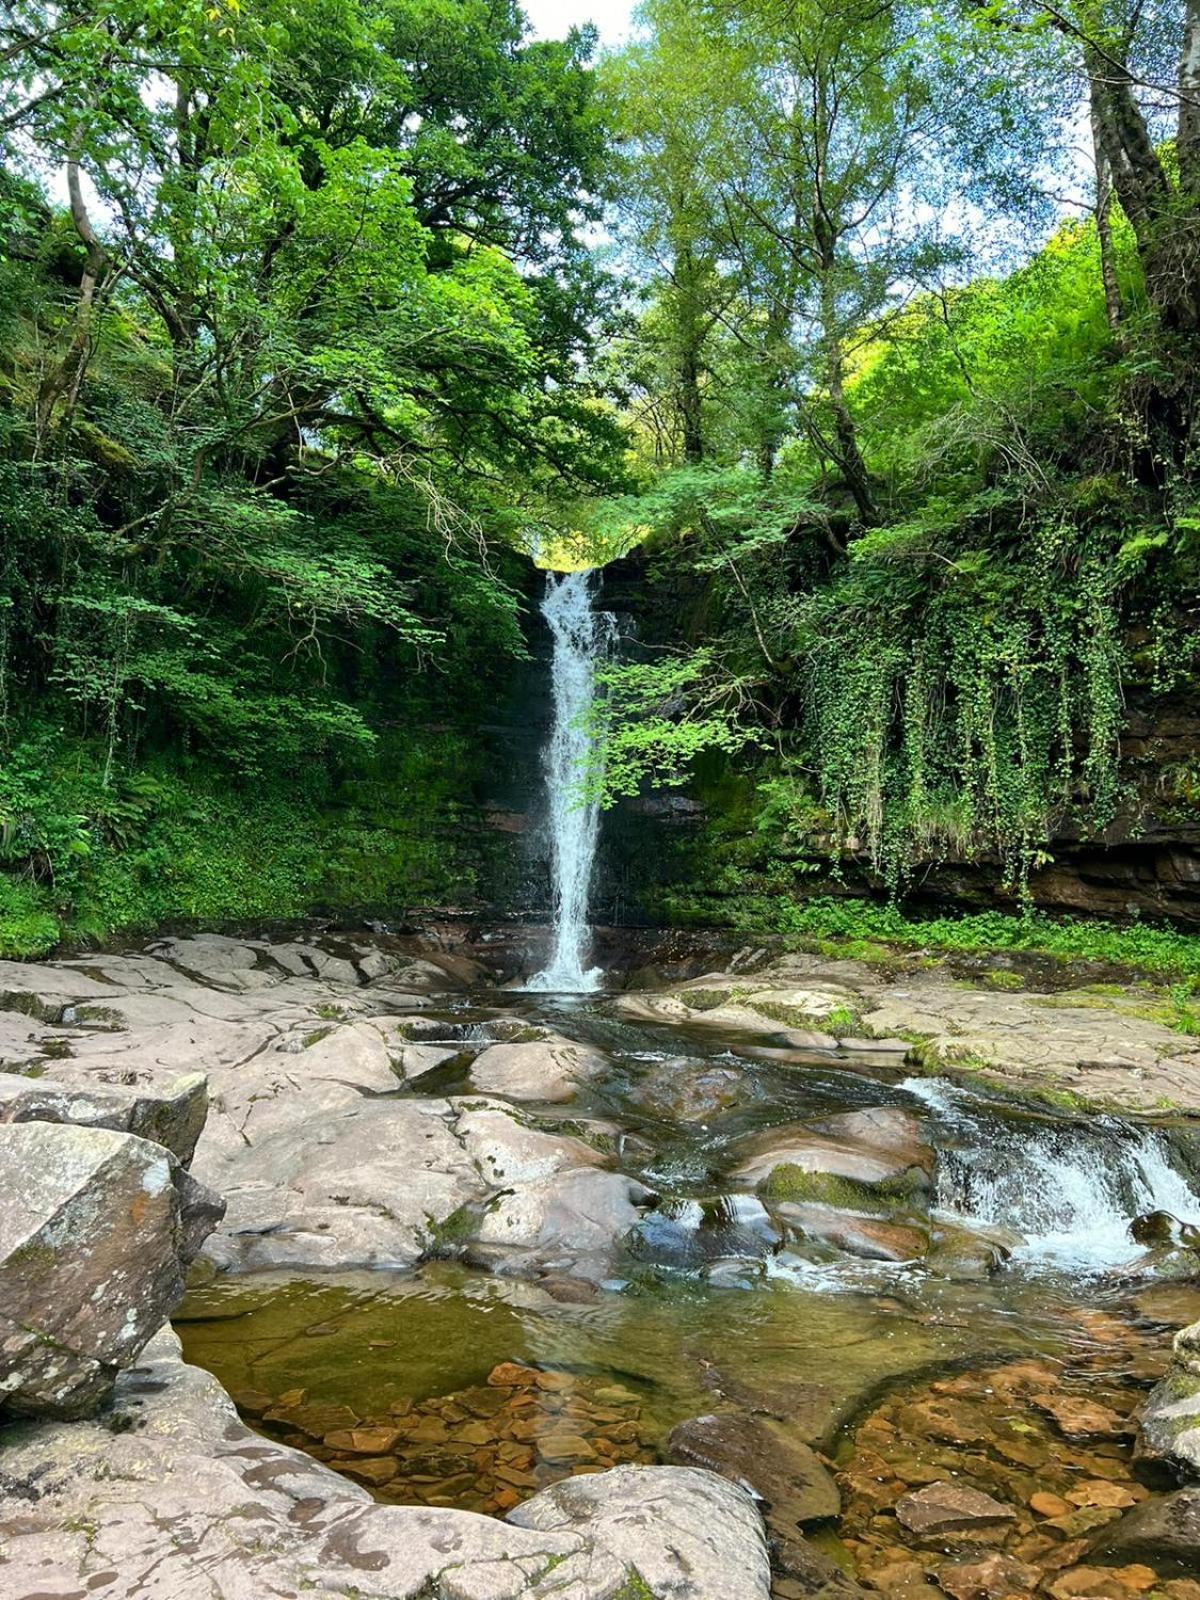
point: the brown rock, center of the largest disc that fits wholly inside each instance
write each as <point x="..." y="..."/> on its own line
<point x="316" y="1420"/>
<point x="377" y="1441"/>
<point x="1137" y="1577"/>
<point x="1049" y="1505"/>
<point x="1024" y="1377"/>
<point x="558" y="1447"/>
<point x="475" y="1433"/>
<point x="950" y="1421"/>
<point x="427" y="1430"/>
<point x="1065" y="1555"/>
<point x="1022" y="1452"/>
<point x="988" y="1579"/>
<point x="952" y="1510"/>
<point x="783" y="1471"/>
<point x="482" y="1401"/>
<point x="372" y="1470"/>
<point x="252" y="1402"/>
<point x="1078" y="1418"/>
<point x="515" y="1478"/>
<point x="510" y="1376"/>
<point x="1102" y="1493"/>
<point x="1085" y="1520"/>
<point x="1100" y="1581"/>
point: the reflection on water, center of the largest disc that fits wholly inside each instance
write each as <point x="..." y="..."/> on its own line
<point x="411" y="1364"/>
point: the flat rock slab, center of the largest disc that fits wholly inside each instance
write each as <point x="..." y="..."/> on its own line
<point x="1083" y="1041"/>
<point x="548" y="1070"/>
<point x="186" y="1504"/>
<point x="954" y="1511"/>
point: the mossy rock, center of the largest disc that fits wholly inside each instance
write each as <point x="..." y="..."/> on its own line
<point x="706" y="999"/>
<point x="790" y="1182"/>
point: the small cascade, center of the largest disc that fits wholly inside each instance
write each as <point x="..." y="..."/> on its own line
<point x="582" y="637"/>
<point x="1069" y="1190"/>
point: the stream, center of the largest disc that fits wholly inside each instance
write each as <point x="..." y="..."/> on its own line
<point x="475" y="1389"/>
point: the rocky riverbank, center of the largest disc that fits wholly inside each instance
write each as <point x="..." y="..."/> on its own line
<point x="382" y="1103"/>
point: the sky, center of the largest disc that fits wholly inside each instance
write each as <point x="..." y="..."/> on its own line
<point x="552" y="18"/>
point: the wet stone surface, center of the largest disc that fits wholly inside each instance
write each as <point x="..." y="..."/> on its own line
<point x="1002" y="1481"/>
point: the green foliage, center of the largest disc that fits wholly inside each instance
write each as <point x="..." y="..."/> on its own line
<point x="165" y="843"/>
<point x="950" y="681"/>
<point x="278" y="413"/>
<point x="848" y="926"/>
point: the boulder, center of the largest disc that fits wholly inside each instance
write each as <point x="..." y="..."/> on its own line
<point x="170" y="1113"/>
<point x="872" y="1238"/>
<point x="548" y="1070"/>
<point x="96" y="1230"/>
<point x="1169" y="1422"/>
<point x="684" y="1090"/>
<point x="880" y="1150"/>
<point x="1163" y="1531"/>
<point x="683" y="1532"/>
<point x="185" y="1503"/>
<point x="572" y="1221"/>
<point x="784" y="1473"/>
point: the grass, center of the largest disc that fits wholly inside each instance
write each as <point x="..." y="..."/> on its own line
<point x="868" y="930"/>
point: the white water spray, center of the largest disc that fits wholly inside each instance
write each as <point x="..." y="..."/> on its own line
<point x="582" y="636"/>
<point x="1069" y="1191"/>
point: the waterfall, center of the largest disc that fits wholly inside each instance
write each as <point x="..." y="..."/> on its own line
<point x="1069" y="1189"/>
<point x="581" y="635"/>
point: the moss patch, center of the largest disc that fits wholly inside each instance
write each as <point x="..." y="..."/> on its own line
<point x="790" y="1182"/>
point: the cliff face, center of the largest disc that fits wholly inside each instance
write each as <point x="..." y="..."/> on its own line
<point x="1145" y="863"/>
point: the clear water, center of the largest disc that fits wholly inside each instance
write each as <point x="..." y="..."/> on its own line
<point x="582" y="636"/>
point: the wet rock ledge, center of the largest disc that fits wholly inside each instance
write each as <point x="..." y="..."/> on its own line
<point x="124" y="1471"/>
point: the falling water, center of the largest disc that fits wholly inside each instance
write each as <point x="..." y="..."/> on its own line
<point x="581" y="637"/>
<point x="1069" y="1191"/>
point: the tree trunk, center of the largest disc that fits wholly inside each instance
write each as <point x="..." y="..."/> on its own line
<point x="849" y="454"/>
<point x="1170" y="260"/>
<point x="689" y="326"/>
<point x="65" y="378"/>
<point x="1108" y="260"/>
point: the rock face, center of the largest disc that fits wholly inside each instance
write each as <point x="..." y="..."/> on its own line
<point x="96" y="1230"/>
<point x="186" y="1503"/>
<point x="1170" y="1419"/>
